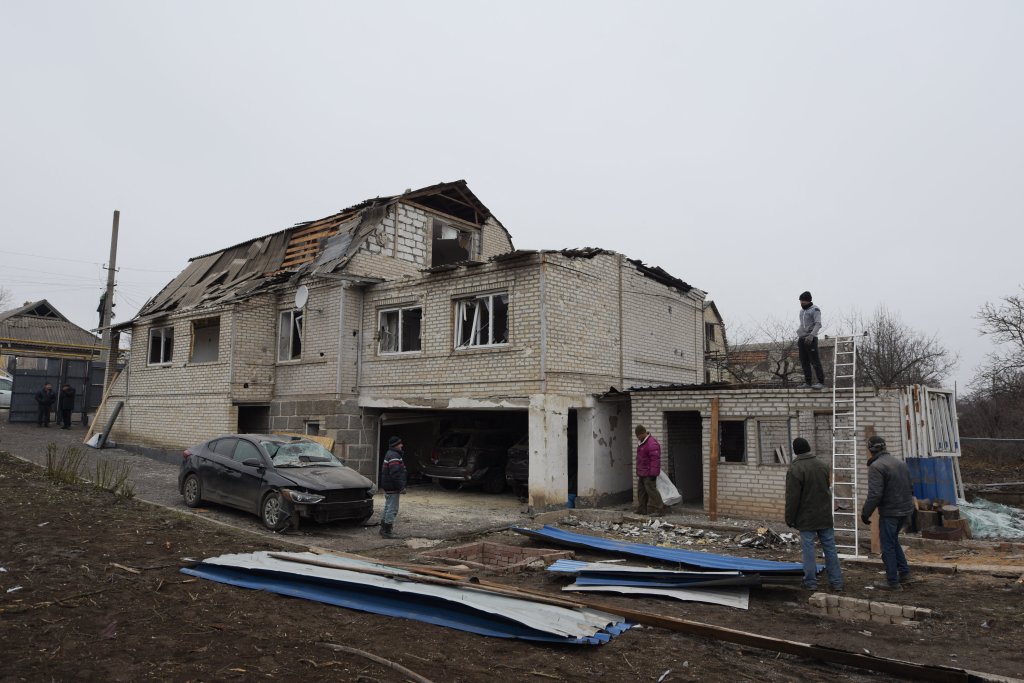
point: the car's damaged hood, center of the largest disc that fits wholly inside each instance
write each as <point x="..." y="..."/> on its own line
<point x="320" y="478"/>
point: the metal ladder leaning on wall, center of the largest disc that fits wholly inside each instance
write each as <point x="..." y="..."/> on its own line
<point x="844" y="446"/>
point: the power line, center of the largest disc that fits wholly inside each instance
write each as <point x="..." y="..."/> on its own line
<point x="73" y="260"/>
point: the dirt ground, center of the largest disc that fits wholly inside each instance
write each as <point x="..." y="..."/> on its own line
<point x="90" y="589"/>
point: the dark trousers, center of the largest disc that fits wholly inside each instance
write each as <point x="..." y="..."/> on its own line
<point x="892" y="552"/>
<point x="647" y="497"/>
<point x="809" y="358"/>
<point x="43" y="416"/>
<point x="65" y="417"/>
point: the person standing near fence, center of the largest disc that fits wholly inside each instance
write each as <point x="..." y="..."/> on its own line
<point x="648" y="466"/>
<point x="44" y="403"/>
<point x="66" y="404"/>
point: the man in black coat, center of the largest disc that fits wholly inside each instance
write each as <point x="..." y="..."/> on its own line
<point x="44" y="402"/>
<point x="66" y="404"/>
<point x="891" y="492"/>
<point x="809" y="510"/>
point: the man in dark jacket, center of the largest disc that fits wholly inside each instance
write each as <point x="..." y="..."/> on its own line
<point x="648" y="466"/>
<point x="809" y="509"/>
<point x="67" y="404"/>
<point x="393" y="478"/>
<point x="891" y="492"/>
<point x="44" y="402"/>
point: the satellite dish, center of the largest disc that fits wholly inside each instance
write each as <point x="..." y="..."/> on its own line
<point x="301" y="296"/>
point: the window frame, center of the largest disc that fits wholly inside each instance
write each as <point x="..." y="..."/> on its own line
<point x="292" y="314"/>
<point x="463" y="303"/>
<point x="400" y="335"/>
<point x="197" y="327"/>
<point x="166" y="354"/>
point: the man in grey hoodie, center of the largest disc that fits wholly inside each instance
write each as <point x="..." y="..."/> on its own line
<point x="807" y="341"/>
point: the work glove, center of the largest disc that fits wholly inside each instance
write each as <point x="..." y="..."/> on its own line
<point x="866" y="519"/>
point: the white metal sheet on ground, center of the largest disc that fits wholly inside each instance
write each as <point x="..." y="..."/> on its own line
<point x="594" y="567"/>
<point x="562" y="621"/>
<point x="728" y="597"/>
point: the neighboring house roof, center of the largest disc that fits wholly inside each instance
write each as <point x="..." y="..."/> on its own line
<point x="39" y="328"/>
<point x="314" y="247"/>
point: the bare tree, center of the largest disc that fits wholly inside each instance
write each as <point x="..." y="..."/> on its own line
<point x="5" y="299"/>
<point x="1005" y="324"/>
<point x="764" y="353"/>
<point x="893" y="354"/>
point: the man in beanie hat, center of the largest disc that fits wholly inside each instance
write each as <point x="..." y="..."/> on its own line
<point x="807" y="341"/>
<point x="809" y="509"/>
<point x="648" y="466"/>
<point x="392" y="480"/>
<point x="891" y="492"/>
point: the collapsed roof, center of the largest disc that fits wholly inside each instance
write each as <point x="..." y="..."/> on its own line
<point x="313" y="247"/>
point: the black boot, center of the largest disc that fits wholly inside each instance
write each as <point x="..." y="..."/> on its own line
<point x="385" y="530"/>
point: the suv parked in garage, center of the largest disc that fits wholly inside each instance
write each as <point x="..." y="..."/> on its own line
<point x="470" y="457"/>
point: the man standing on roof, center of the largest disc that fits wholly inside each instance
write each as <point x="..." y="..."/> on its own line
<point x="891" y="492"/>
<point x="809" y="510"/>
<point x="648" y="466"/>
<point x="392" y="479"/>
<point x="807" y="341"/>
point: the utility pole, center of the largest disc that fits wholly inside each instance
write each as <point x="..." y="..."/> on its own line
<point x="111" y="341"/>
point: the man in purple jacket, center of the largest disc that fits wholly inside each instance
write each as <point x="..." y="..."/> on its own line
<point x="648" y="465"/>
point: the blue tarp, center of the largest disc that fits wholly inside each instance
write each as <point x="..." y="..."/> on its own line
<point x="933" y="478"/>
<point x="692" y="558"/>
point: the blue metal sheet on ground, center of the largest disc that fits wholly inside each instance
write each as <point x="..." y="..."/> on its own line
<point x="364" y="599"/>
<point x="933" y="478"/>
<point x="690" y="558"/>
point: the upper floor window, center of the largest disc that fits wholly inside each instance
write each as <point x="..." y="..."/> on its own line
<point x="450" y="244"/>
<point x="400" y="330"/>
<point x="161" y="345"/>
<point x="289" y="335"/>
<point x="205" y="340"/>
<point x="481" y="321"/>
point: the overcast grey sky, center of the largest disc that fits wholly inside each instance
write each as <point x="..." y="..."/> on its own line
<point x="871" y="152"/>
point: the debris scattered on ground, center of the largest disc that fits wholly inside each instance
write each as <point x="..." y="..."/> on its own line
<point x="993" y="520"/>
<point x="763" y="537"/>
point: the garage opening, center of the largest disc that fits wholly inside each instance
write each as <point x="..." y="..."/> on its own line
<point x="253" y="419"/>
<point x="455" y="450"/>
<point x="685" y="446"/>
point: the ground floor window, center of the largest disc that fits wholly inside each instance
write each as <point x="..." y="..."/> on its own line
<point x="732" y="440"/>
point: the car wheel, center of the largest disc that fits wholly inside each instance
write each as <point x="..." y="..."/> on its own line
<point x="272" y="512"/>
<point x="192" y="490"/>
<point x="447" y="484"/>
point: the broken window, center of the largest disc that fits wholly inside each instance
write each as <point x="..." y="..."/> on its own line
<point x="709" y="335"/>
<point x="289" y="336"/>
<point x="773" y="441"/>
<point x="400" y="330"/>
<point x="205" y="340"/>
<point x="450" y="244"/>
<point x="732" y="440"/>
<point x="161" y="345"/>
<point x="481" y="321"/>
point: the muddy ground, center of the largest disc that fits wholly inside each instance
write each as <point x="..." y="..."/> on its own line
<point x="91" y="590"/>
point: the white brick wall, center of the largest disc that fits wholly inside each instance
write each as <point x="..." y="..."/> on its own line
<point x="753" y="489"/>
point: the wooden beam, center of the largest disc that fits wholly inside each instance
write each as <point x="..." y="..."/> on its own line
<point x="713" y="464"/>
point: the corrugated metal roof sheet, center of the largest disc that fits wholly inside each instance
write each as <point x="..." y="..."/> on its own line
<point x="466" y="608"/>
<point x="691" y="558"/>
<point x="38" y="327"/>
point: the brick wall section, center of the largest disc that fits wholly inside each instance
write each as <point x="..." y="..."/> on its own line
<point x="752" y="489"/>
<point x="868" y="610"/>
<point x="579" y="299"/>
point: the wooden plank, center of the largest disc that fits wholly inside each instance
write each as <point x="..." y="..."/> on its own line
<point x="713" y="464"/>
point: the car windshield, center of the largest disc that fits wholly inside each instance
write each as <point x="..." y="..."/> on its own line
<point x="300" y="454"/>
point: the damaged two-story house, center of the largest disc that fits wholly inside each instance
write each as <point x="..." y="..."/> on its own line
<point x="410" y="315"/>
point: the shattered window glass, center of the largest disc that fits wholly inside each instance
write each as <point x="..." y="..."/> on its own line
<point x="482" y="321"/>
<point x="400" y="330"/>
<point x="289" y="340"/>
<point x="161" y="345"/>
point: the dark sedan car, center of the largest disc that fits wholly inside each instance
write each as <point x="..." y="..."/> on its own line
<point x="279" y="478"/>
